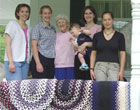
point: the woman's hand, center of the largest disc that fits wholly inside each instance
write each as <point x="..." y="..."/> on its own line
<point x="12" y="67"/>
<point x="92" y="75"/>
<point x="120" y="76"/>
<point x="71" y="40"/>
<point x="39" y="68"/>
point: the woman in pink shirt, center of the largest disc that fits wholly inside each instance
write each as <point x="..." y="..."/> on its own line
<point x="64" y="60"/>
<point x="89" y="18"/>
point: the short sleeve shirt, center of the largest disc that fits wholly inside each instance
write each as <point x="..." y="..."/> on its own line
<point x="18" y="43"/>
<point x="46" y="37"/>
<point x="107" y="50"/>
<point x="64" y="50"/>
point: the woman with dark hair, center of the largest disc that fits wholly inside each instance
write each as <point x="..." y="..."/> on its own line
<point x="17" y="50"/>
<point x="89" y="18"/>
<point x="43" y="38"/>
<point x="105" y="64"/>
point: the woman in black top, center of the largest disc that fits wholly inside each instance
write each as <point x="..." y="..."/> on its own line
<point x="107" y="45"/>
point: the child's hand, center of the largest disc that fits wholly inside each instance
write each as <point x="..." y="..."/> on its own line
<point x="87" y="32"/>
<point x="71" y="39"/>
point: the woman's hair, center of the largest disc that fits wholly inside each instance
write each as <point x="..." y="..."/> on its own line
<point x="107" y="12"/>
<point x="18" y="8"/>
<point x="93" y="11"/>
<point x="61" y="16"/>
<point x="45" y="6"/>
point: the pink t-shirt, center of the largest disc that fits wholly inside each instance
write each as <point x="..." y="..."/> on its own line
<point x="64" y="50"/>
<point x="26" y="37"/>
<point x="96" y="28"/>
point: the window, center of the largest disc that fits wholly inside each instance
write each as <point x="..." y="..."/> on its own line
<point x="120" y="8"/>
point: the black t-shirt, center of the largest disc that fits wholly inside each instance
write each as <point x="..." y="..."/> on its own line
<point x="84" y="38"/>
<point x="108" y="50"/>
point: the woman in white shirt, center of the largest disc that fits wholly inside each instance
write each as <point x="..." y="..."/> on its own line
<point x="17" y="48"/>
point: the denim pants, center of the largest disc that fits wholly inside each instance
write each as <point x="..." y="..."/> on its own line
<point x="106" y="71"/>
<point x="21" y="72"/>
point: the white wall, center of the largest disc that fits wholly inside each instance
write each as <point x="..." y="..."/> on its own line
<point x="7" y="9"/>
<point x="58" y="7"/>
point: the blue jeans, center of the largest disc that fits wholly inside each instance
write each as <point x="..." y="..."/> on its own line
<point x="21" y="73"/>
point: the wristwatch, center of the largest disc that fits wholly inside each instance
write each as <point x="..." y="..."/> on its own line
<point x="92" y="69"/>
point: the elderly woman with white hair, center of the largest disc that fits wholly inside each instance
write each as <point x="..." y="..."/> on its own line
<point x="64" y="60"/>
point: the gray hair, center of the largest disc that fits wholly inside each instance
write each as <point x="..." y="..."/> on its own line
<point x="61" y="16"/>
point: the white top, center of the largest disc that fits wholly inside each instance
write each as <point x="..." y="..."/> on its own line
<point x="18" y="44"/>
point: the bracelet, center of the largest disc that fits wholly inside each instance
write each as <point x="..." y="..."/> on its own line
<point x="91" y="68"/>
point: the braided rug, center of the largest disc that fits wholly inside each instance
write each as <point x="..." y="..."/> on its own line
<point x="72" y="95"/>
<point x="123" y="96"/>
<point x="44" y="94"/>
<point x="111" y="96"/>
<point x="32" y="94"/>
<point x="5" y="102"/>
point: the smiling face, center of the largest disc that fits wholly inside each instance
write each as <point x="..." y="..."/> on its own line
<point x="107" y="21"/>
<point x="89" y="15"/>
<point x="23" y="13"/>
<point x="62" y="25"/>
<point x="46" y="15"/>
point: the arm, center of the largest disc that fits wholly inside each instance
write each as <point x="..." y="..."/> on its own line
<point x="92" y="64"/>
<point x="39" y="66"/>
<point x="87" y="32"/>
<point x="8" y="41"/>
<point x="74" y="44"/>
<point x="122" y="65"/>
<point x="84" y="45"/>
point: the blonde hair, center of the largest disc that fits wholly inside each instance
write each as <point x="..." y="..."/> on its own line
<point x="76" y="25"/>
<point x="61" y="16"/>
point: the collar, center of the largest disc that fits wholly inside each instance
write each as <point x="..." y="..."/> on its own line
<point x="44" y="26"/>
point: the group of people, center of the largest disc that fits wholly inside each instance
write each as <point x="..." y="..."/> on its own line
<point x="91" y="52"/>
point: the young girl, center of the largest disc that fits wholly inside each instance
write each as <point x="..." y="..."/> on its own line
<point x="64" y="60"/>
<point x="43" y="36"/>
<point x="17" y="39"/>
<point x="107" y="45"/>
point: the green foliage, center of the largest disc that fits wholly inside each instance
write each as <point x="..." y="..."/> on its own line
<point x="2" y="43"/>
<point x="2" y="28"/>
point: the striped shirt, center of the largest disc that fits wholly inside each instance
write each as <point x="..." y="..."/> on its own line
<point x="46" y="37"/>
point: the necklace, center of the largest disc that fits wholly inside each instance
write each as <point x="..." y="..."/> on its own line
<point x="107" y="34"/>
